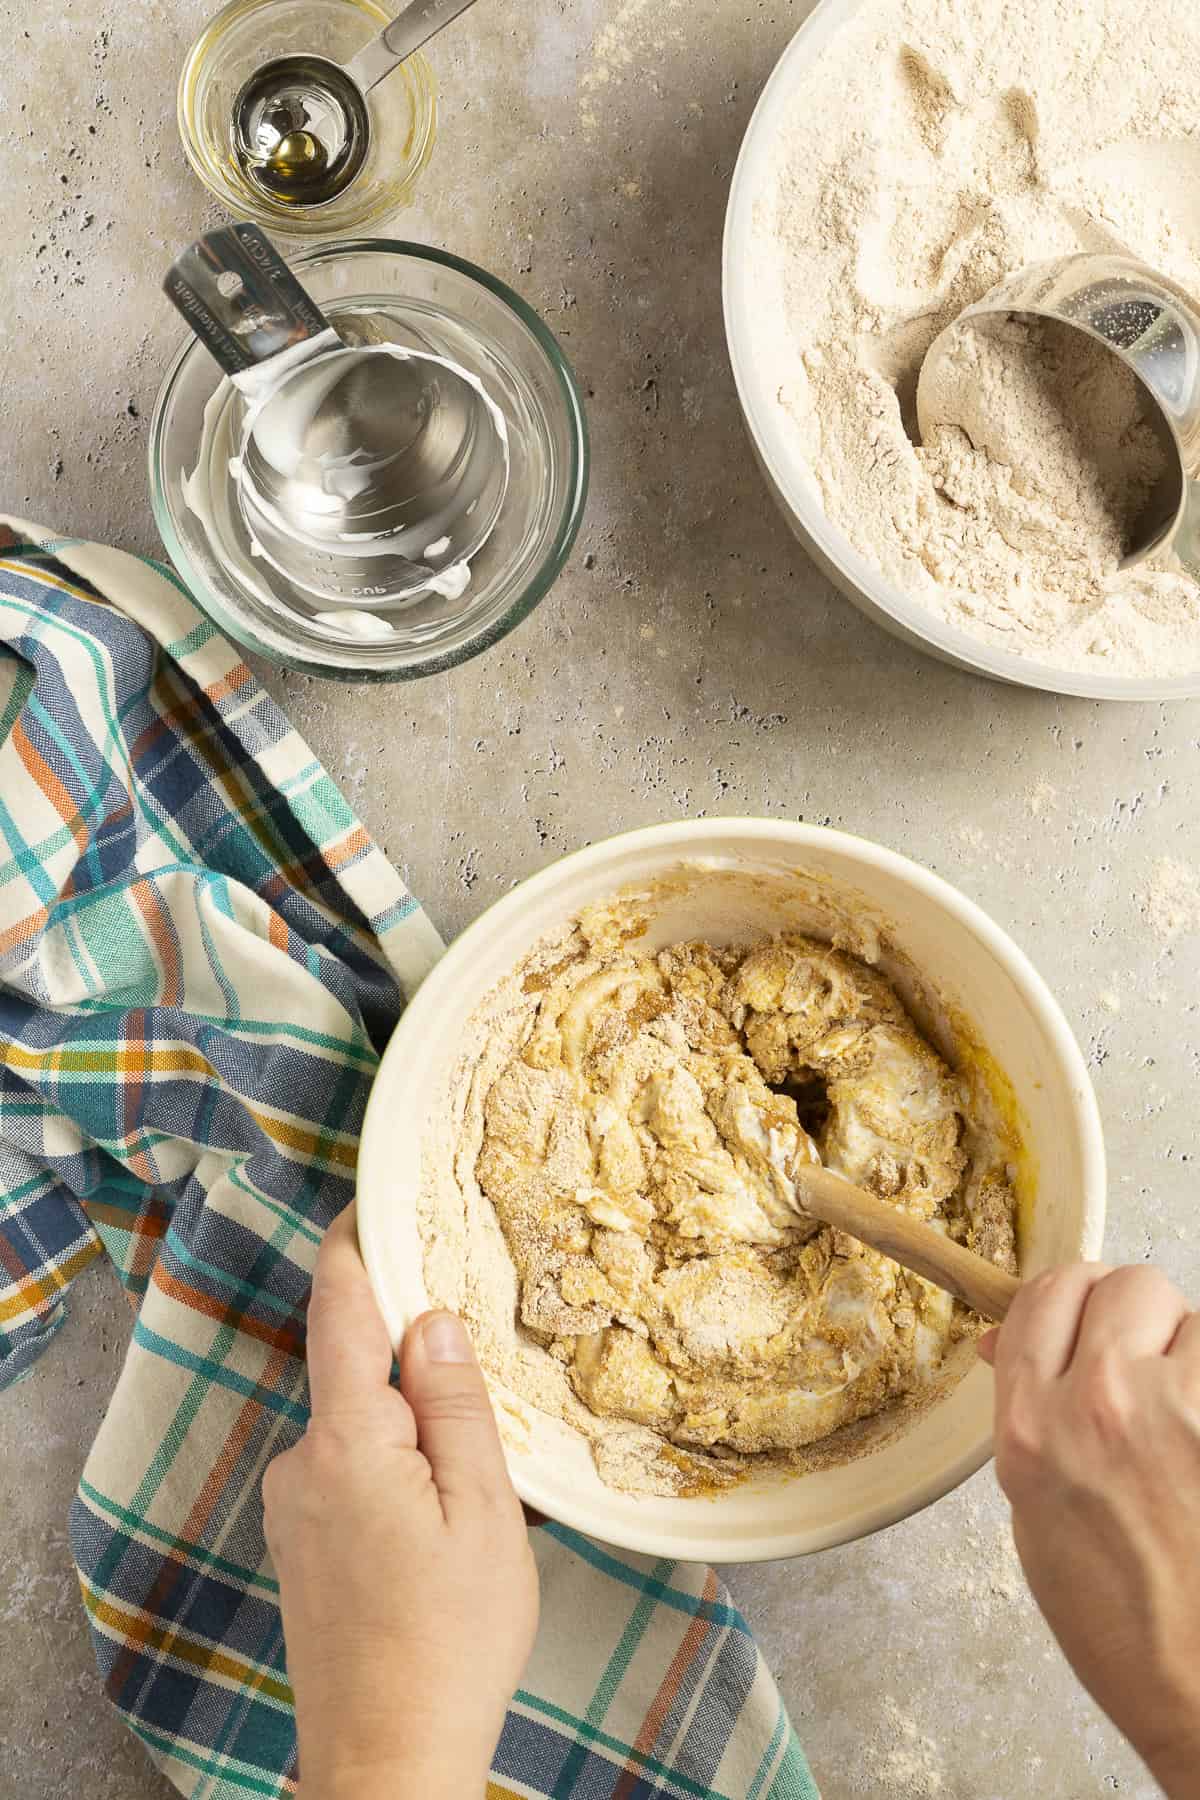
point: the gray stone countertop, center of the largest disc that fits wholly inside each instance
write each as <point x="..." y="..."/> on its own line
<point x="690" y="661"/>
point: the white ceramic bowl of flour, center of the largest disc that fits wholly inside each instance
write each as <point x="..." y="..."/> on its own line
<point x="745" y="879"/>
<point x="754" y="335"/>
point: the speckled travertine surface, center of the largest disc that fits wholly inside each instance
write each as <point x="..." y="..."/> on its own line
<point x="690" y="660"/>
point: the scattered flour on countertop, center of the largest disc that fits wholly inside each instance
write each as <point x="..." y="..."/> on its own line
<point x="1042" y="797"/>
<point x="1171" y="903"/>
<point x="901" y="1759"/>
<point x="984" y="1571"/>
<point x="968" y="141"/>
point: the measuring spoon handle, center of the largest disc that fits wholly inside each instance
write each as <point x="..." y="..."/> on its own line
<point x="413" y="27"/>
<point x="240" y="298"/>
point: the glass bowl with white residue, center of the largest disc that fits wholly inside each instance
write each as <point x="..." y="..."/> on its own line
<point x="376" y="291"/>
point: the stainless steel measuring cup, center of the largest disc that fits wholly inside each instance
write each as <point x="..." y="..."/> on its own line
<point x="366" y="475"/>
<point x="1154" y="327"/>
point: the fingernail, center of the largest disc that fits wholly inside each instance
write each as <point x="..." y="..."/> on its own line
<point x="445" y="1339"/>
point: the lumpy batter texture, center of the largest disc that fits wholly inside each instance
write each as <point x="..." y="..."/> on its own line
<point x="641" y="1150"/>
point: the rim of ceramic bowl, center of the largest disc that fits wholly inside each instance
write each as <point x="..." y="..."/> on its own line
<point x="792" y="837"/>
<point x="315" y="222"/>
<point x="880" y="598"/>
<point x="540" y="581"/>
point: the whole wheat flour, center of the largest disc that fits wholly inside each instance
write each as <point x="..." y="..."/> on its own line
<point x="935" y="147"/>
<point x="624" y="1187"/>
<point x="1037" y="437"/>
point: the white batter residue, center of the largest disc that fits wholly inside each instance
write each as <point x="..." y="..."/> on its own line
<point x="225" y="433"/>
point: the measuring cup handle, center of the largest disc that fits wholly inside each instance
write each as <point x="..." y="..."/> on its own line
<point x="1186" y="542"/>
<point x="420" y="20"/>
<point x="240" y="298"/>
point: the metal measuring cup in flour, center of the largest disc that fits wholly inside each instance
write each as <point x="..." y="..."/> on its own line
<point x="1153" y="328"/>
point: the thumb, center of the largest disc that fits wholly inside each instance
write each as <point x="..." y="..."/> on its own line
<point x="986" y="1346"/>
<point x="456" y="1428"/>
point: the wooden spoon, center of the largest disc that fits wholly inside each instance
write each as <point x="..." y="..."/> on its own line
<point x="908" y="1241"/>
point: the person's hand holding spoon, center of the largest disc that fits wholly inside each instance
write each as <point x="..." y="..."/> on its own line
<point x="1098" y="1452"/>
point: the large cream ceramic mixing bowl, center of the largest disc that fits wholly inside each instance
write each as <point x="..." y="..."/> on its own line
<point x="788" y="474"/>
<point x="746" y="878"/>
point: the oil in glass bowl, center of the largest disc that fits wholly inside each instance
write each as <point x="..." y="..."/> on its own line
<point x="403" y="115"/>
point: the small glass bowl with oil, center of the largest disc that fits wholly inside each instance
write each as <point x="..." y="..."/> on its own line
<point x="249" y="33"/>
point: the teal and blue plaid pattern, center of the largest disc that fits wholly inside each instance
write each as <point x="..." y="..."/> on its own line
<point x="201" y="956"/>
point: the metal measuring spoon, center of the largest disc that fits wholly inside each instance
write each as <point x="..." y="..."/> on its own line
<point x="1153" y="327"/>
<point x="365" y="475"/>
<point x="301" y="128"/>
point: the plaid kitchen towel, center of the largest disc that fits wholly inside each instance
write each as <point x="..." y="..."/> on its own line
<point x="201" y="956"/>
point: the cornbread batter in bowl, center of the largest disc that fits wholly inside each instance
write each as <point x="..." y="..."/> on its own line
<point x="800" y="981"/>
<point x="640" y="1151"/>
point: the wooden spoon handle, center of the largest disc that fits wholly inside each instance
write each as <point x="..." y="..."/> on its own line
<point x="908" y="1241"/>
